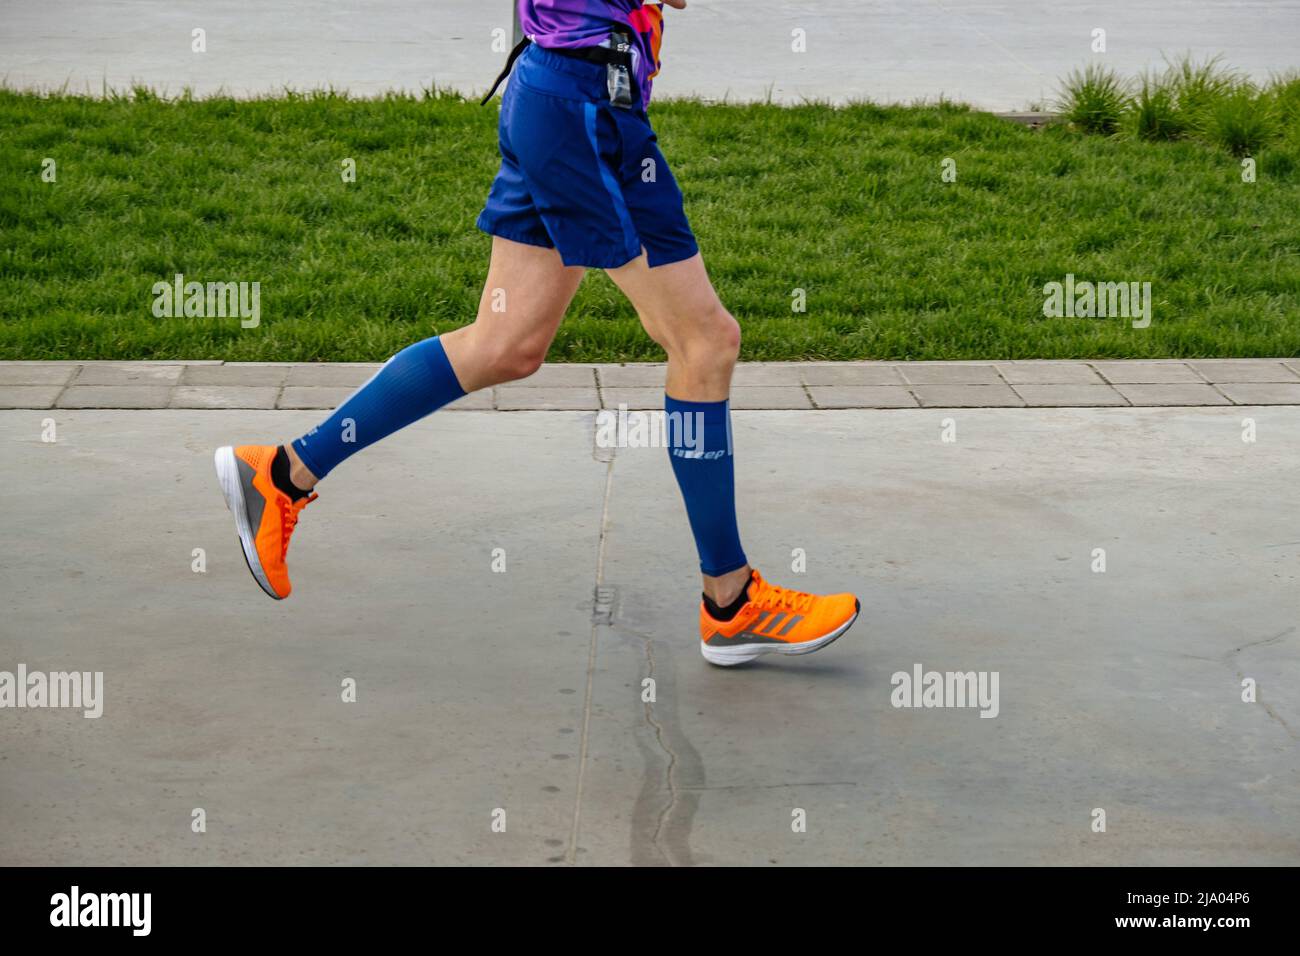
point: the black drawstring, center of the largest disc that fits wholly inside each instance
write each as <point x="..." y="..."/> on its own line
<point x="514" y="55"/>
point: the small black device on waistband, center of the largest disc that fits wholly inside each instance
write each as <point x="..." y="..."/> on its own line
<point x="617" y="58"/>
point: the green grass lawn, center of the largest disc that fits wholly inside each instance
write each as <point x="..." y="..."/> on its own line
<point x="847" y="204"/>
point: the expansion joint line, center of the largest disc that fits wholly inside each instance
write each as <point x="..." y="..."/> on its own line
<point x="572" y="854"/>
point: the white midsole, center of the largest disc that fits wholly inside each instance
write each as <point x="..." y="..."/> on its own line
<point x="740" y="653"/>
<point x="228" y="476"/>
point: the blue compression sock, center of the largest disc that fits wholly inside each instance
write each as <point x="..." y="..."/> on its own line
<point x="413" y="383"/>
<point x="699" y="447"/>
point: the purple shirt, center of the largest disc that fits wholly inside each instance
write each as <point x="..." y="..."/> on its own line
<point x="579" y="23"/>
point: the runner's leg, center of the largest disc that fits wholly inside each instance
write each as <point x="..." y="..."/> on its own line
<point x="681" y="311"/>
<point x="267" y="486"/>
<point x="524" y="298"/>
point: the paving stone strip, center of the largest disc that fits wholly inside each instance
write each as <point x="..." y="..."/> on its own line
<point x="757" y="385"/>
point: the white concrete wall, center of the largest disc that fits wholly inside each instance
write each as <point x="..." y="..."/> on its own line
<point x="997" y="54"/>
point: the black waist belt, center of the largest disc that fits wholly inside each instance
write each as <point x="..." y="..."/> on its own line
<point x="592" y="54"/>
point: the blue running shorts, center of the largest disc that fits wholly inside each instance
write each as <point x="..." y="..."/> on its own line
<point x="579" y="174"/>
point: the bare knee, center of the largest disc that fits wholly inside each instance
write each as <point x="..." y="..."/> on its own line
<point x="511" y="361"/>
<point x="729" y="335"/>
<point x="485" y="354"/>
<point x="712" y="342"/>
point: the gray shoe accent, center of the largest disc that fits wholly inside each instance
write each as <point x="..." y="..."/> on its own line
<point x="233" y="483"/>
<point x="761" y="623"/>
<point x="789" y="624"/>
<point x="744" y="637"/>
<point x="751" y="636"/>
<point x="254" y="501"/>
<point x="729" y="652"/>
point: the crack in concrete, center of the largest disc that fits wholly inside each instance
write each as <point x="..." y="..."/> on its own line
<point x="604" y="603"/>
<point x="670" y="838"/>
<point x="670" y="775"/>
<point x="1270" y="711"/>
<point x="1227" y="658"/>
<point x="1264" y="642"/>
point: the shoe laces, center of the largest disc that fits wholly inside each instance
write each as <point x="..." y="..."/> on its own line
<point x="289" y="511"/>
<point x="770" y="596"/>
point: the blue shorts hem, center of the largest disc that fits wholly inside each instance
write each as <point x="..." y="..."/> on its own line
<point x="597" y="261"/>
<point x="527" y="239"/>
<point x="667" y="257"/>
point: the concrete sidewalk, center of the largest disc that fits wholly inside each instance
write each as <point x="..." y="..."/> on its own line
<point x="758" y="385"/>
<point x="1004" y="55"/>
<point x="500" y="589"/>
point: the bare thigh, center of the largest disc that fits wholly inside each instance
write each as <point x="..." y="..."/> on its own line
<point x="526" y="293"/>
<point x="681" y="311"/>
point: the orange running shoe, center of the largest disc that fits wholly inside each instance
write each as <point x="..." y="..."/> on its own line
<point x="776" y="620"/>
<point x="264" y="515"/>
